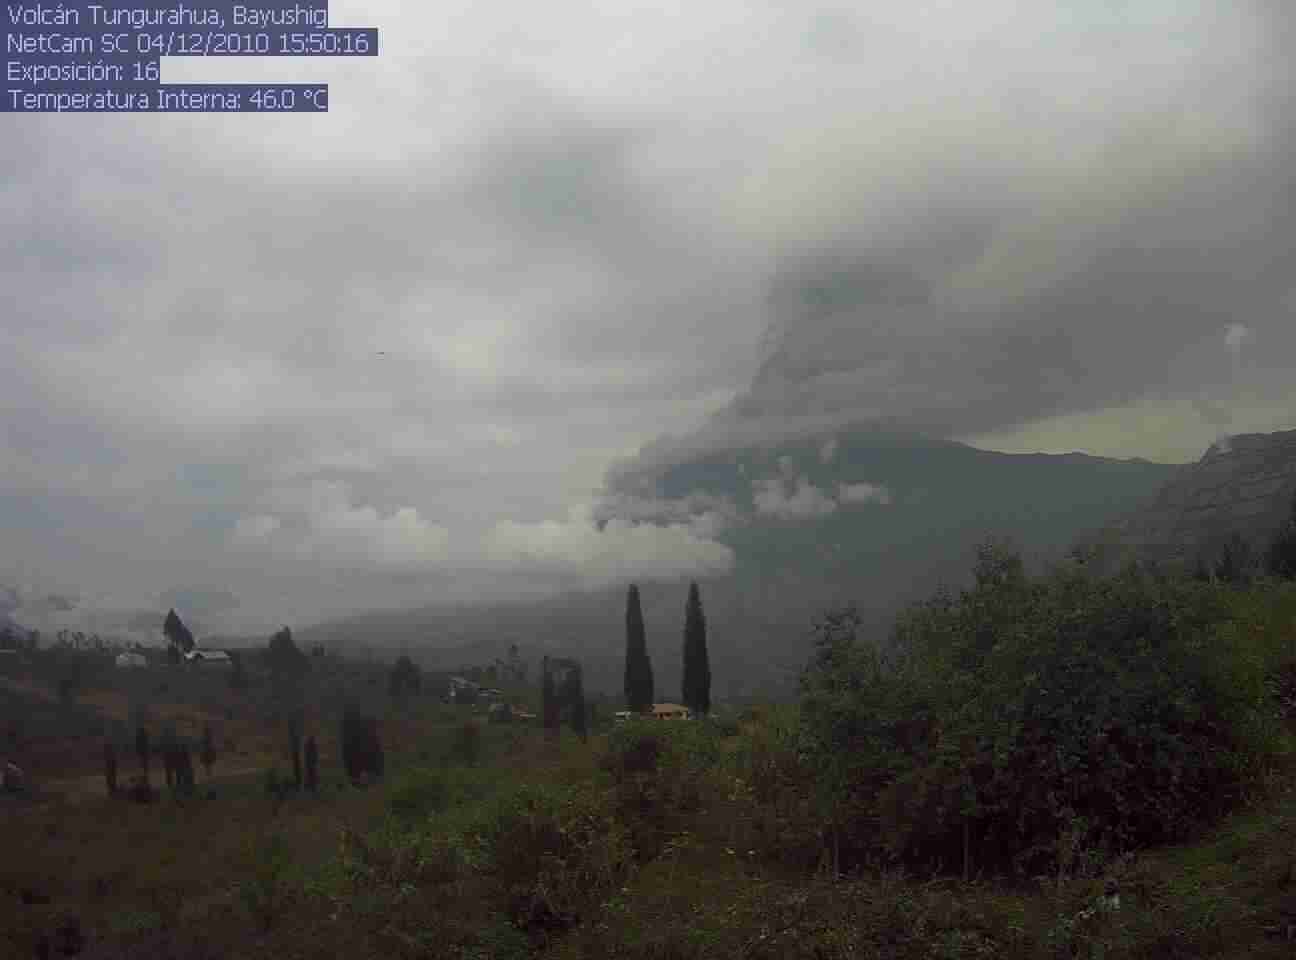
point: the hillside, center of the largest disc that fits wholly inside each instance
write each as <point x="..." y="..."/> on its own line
<point x="867" y="516"/>
<point x="1245" y="486"/>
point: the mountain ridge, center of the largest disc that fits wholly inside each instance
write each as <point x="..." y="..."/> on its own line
<point x="876" y="518"/>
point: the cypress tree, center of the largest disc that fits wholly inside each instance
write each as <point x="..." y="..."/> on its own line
<point x="362" y="753"/>
<point x="177" y="634"/>
<point x="311" y="756"/>
<point x="697" y="664"/>
<point x="184" y="770"/>
<point x="110" y="767"/>
<point x="171" y="758"/>
<point x="238" y="676"/>
<point x="207" y="752"/>
<point x="294" y="748"/>
<point x="550" y="709"/>
<point x="574" y="699"/>
<point x="638" y="668"/>
<point x="142" y="751"/>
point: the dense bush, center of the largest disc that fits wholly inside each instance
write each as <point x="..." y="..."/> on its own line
<point x="769" y="792"/>
<point x="405" y="678"/>
<point x="1280" y="556"/>
<point x="553" y="853"/>
<point x="267" y="891"/>
<point x="417" y="792"/>
<point x="1025" y="720"/>
<point x="662" y="772"/>
<point x="362" y="753"/>
<point x="310" y="756"/>
<point x="467" y="745"/>
<point x="1230" y="559"/>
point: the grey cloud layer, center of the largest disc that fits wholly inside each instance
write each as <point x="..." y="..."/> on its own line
<point x="1037" y="251"/>
<point x="566" y="228"/>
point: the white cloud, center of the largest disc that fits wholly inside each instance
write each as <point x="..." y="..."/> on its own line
<point x="1236" y="334"/>
<point x="776" y="496"/>
<point x="718" y="511"/>
<point x="344" y="535"/>
<point x="328" y="528"/>
<point x="621" y="550"/>
<point x="863" y="493"/>
<point x="254" y="528"/>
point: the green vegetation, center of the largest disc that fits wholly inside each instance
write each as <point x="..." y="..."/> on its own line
<point x="1023" y="721"/>
<point x="1062" y="765"/>
<point x="1280" y="557"/>
<point x="638" y="666"/>
<point x="697" y="666"/>
<point x="179" y="639"/>
<point x="405" y="679"/>
<point x="362" y="753"/>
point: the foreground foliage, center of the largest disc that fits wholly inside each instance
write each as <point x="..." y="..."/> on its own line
<point x="1055" y="767"/>
<point x="1025" y="723"/>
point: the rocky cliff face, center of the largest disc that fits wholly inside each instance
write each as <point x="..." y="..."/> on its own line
<point x="1243" y="486"/>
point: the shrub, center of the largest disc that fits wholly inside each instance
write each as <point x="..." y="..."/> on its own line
<point x="140" y="791"/>
<point x="207" y="752"/>
<point x="1027" y="717"/>
<point x="632" y="747"/>
<point x="405" y="678"/>
<point x="769" y="794"/>
<point x="110" y="768"/>
<point x="266" y="891"/>
<point x="1280" y="556"/>
<point x="467" y="745"/>
<point x="142" y="751"/>
<point x="554" y="853"/>
<point x="238" y="679"/>
<point x="417" y="792"/>
<point x="662" y="772"/>
<point x="362" y="753"/>
<point x="277" y="787"/>
<point x="311" y="758"/>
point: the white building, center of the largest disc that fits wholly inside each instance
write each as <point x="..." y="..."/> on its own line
<point x="131" y="660"/>
<point x="208" y="658"/>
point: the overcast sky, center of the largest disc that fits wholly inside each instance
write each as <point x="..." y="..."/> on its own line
<point x="288" y="367"/>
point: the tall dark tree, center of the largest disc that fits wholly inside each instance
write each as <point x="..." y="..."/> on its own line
<point x="550" y="708"/>
<point x="238" y="673"/>
<point x="697" y="664"/>
<point x="516" y="668"/>
<point x="207" y="752"/>
<point x="170" y="757"/>
<point x="142" y="751"/>
<point x="294" y="747"/>
<point x="288" y="665"/>
<point x="110" y="767"/>
<point x="184" y="769"/>
<point x="1280" y="557"/>
<point x="177" y="634"/>
<point x="405" y="678"/>
<point x="573" y="698"/>
<point x="362" y="753"/>
<point x="638" y="668"/>
<point x="311" y="756"/>
<point x="288" y="668"/>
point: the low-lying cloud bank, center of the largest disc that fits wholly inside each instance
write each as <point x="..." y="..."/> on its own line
<point x="613" y="551"/>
